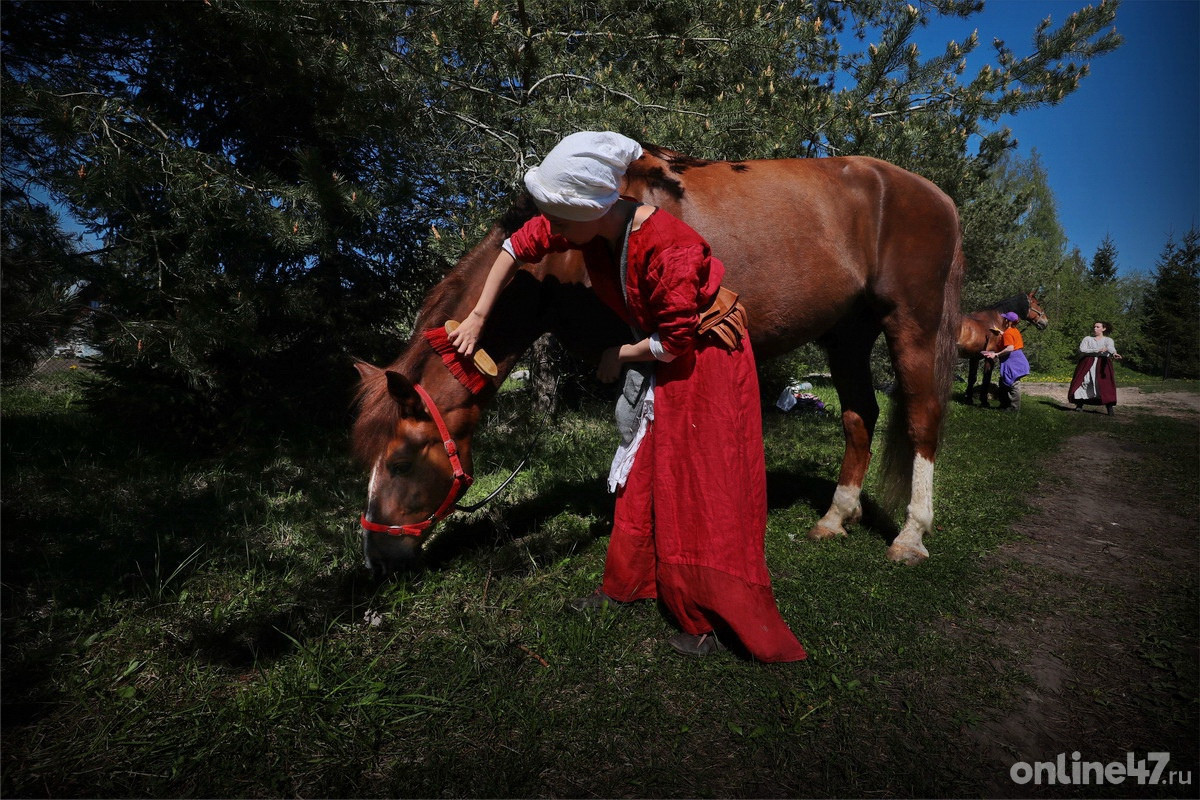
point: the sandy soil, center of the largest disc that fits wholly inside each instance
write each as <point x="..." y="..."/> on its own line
<point x="1174" y="404"/>
<point x="1106" y="524"/>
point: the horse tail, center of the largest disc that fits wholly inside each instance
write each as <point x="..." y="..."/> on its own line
<point x="896" y="468"/>
<point x="947" y="341"/>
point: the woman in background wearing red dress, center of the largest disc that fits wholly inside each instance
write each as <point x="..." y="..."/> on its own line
<point x="691" y="508"/>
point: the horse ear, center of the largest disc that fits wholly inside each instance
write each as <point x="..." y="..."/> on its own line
<point x="402" y="391"/>
<point x="366" y="370"/>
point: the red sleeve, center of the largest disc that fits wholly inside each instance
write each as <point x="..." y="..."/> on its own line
<point x="675" y="278"/>
<point x="533" y="241"/>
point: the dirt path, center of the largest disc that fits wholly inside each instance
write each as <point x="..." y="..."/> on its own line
<point x="1183" y="405"/>
<point x="1110" y="531"/>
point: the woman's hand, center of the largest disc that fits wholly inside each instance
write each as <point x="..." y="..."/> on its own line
<point x="466" y="336"/>
<point x="610" y="365"/>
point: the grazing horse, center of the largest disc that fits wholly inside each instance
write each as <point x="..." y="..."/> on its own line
<point x="831" y="250"/>
<point x="977" y="333"/>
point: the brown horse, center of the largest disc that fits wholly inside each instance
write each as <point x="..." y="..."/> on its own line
<point x="833" y="250"/>
<point x="978" y="331"/>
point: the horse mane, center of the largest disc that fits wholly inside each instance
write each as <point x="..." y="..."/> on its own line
<point x="667" y="179"/>
<point x="1018" y="303"/>
<point x="521" y="209"/>
<point x="378" y="415"/>
<point x="678" y="162"/>
<point x="378" y="412"/>
<point x="451" y="288"/>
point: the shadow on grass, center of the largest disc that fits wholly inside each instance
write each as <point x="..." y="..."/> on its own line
<point x="522" y="523"/>
<point x="786" y="488"/>
<point x="100" y="523"/>
<point x="588" y="501"/>
<point x="92" y="518"/>
<point x="101" y="520"/>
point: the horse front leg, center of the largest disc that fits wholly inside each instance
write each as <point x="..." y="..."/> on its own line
<point x="972" y="374"/>
<point x="985" y="383"/>
<point x="851" y="371"/>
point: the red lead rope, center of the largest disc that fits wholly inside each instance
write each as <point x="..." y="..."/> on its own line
<point x="462" y="481"/>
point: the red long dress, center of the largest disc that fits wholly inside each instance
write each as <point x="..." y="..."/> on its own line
<point x="691" y="518"/>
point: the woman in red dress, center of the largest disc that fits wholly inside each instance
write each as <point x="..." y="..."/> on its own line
<point x="691" y="508"/>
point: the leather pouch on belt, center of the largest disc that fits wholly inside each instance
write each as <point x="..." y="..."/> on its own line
<point x="724" y="322"/>
<point x="629" y="404"/>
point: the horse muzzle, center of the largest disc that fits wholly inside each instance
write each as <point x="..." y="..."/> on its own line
<point x="383" y="554"/>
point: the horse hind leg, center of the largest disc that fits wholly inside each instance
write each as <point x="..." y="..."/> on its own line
<point x="909" y="546"/>
<point x="849" y="363"/>
<point x="912" y="441"/>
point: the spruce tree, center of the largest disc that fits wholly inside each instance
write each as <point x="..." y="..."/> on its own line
<point x="43" y="299"/>
<point x="1171" y="336"/>
<point x="1104" y="262"/>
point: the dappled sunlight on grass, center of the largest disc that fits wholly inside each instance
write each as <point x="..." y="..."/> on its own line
<point x="164" y="614"/>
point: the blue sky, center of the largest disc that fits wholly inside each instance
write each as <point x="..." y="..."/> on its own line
<point x="1122" y="153"/>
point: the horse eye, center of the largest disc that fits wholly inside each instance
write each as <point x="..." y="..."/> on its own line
<point x="397" y="468"/>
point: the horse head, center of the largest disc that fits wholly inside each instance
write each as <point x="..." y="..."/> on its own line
<point x="1035" y="314"/>
<point x="415" y="441"/>
<point x="416" y="417"/>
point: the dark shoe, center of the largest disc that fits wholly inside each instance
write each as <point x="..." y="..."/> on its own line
<point x="1079" y="406"/>
<point x="596" y="601"/>
<point x="691" y="644"/>
<point x="1110" y="411"/>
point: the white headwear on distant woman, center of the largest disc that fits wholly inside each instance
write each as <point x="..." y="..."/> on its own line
<point x="578" y="180"/>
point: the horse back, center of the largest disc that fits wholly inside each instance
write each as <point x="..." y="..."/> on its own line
<point x="805" y="242"/>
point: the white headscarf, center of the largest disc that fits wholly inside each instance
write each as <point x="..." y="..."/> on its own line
<point x="578" y="179"/>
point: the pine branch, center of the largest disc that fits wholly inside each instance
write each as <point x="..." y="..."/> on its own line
<point x="617" y="92"/>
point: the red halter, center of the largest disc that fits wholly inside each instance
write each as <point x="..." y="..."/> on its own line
<point x="462" y="481"/>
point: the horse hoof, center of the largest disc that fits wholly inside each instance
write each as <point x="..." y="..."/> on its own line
<point x="907" y="554"/>
<point x="820" y="533"/>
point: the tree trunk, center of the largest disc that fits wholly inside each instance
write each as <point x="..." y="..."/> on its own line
<point x="543" y="375"/>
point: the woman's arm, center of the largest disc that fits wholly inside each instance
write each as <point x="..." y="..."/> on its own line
<point x="1090" y="345"/>
<point x="612" y="359"/>
<point x="527" y="245"/>
<point x="467" y="335"/>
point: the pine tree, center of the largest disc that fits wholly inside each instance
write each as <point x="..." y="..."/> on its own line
<point x="276" y="185"/>
<point x="1013" y="238"/>
<point x="251" y="202"/>
<point x="1104" y="262"/>
<point x="42" y="300"/>
<point x="1171" y="336"/>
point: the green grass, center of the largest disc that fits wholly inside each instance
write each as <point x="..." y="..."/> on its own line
<point x="201" y="627"/>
